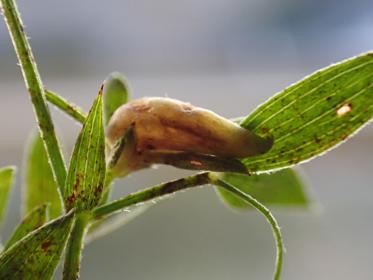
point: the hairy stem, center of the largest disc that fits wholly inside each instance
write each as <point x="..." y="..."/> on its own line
<point x="152" y="193"/>
<point x="35" y="89"/>
<point x="269" y="217"/>
<point x="71" y="269"/>
<point x="70" y="109"/>
<point x="161" y="190"/>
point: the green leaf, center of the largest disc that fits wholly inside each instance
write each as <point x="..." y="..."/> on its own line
<point x="40" y="186"/>
<point x="314" y="115"/>
<point x="34" y="220"/>
<point x="283" y="188"/>
<point x="6" y="182"/>
<point x="86" y="176"/>
<point x="36" y="256"/>
<point x="111" y="223"/>
<point x="116" y="92"/>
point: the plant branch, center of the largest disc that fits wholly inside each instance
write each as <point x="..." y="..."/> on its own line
<point x="269" y="217"/>
<point x="35" y="89"/>
<point x="164" y="189"/>
<point x="71" y="269"/>
<point x="70" y="109"/>
<point x="152" y="193"/>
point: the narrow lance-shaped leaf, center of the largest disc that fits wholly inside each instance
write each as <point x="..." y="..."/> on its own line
<point x="315" y="114"/>
<point x="116" y="94"/>
<point x="283" y="188"/>
<point x="86" y="176"/>
<point x="36" y="256"/>
<point x="6" y="182"/>
<point x="34" y="220"/>
<point x="39" y="185"/>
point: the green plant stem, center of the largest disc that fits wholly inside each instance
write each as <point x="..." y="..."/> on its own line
<point x="35" y="89"/>
<point x="269" y="217"/>
<point x="161" y="190"/>
<point x="152" y="193"/>
<point x="70" y="109"/>
<point x="71" y="270"/>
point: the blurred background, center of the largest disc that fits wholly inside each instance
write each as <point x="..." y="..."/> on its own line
<point x="228" y="56"/>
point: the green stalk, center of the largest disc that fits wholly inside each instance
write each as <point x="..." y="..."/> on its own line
<point x="35" y="89"/>
<point x="164" y="189"/>
<point x="269" y="217"/>
<point x="152" y="193"/>
<point x="70" y="109"/>
<point x="71" y="269"/>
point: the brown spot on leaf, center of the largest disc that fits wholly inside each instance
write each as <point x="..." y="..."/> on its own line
<point x="45" y="245"/>
<point x="77" y="182"/>
<point x="70" y="200"/>
<point x="98" y="191"/>
<point x="101" y="91"/>
<point x="264" y="130"/>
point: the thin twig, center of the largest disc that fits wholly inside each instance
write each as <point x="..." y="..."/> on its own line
<point x="269" y="217"/>
<point x="61" y="103"/>
<point x="152" y="193"/>
<point x="165" y="189"/>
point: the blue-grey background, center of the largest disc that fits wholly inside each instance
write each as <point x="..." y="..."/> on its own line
<point x="228" y="56"/>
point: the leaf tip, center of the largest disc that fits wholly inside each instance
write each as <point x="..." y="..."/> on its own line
<point x="11" y="169"/>
<point x="101" y="91"/>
